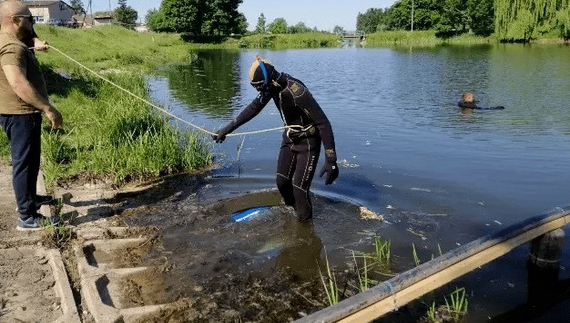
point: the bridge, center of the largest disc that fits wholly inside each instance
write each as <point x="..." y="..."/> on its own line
<point x="352" y="35"/>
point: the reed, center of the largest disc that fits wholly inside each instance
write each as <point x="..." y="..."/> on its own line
<point x="363" y="281"/>
<point x="458" y="307"/>
<point x="329" y="283"/>
<point x="415" y="255"/>
<point x="382" y="250"/>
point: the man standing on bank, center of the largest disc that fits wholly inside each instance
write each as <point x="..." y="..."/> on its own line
<point x="307" y="126"/>
<point x="23" y="98"/>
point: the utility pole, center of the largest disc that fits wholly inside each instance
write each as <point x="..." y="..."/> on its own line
<point x="412" y="26"/>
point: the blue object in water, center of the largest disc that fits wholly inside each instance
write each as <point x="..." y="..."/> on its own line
<point x="246" y="215"/>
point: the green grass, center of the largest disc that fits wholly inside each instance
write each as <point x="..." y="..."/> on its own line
<point x="283" y="41"/>
<point x="108" y="132"/>
<point x="454" y="310"/>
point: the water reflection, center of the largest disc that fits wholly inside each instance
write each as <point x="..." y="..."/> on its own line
<point x="207" y="84"/>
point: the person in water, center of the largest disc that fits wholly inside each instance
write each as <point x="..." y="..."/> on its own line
<point x="468" y="102"/>
<point x="307" y="127"/>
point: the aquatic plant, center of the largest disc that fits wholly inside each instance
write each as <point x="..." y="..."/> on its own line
<point x="415" y="254"/>
<point x="458" y="307"/>
<point x="329" y="283"/>
<point x="382" y="250"/>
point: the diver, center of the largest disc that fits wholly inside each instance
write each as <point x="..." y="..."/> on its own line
<point x="468" y="102"/>
<point x="306" y="127"/>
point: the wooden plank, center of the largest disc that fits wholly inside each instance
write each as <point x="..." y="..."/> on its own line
<point x="414" y="283"/>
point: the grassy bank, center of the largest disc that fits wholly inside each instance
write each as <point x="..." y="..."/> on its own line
<point x="108" y="133"/>
<point x="421" y="38"/>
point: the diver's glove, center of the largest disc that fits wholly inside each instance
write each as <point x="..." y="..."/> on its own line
<point x="220" y="136"/>
<point x="330" y="167"/>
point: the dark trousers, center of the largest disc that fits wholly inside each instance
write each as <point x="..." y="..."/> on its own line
<point x="24" y="134"/>
<point x="295" y="170"/>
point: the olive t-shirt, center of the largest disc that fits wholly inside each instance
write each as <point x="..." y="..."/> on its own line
<point x="14" y="52"/>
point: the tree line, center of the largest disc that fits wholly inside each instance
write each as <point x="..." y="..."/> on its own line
<point x="509" y="20"/>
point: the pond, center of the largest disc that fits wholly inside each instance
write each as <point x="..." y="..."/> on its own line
<point x="439" y="177"/>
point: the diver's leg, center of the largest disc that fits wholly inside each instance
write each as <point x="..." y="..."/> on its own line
<point x="285" y="168"/>
<point x="307" y="152"/>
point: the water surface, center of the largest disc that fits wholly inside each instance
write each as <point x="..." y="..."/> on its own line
<point x="404" y="145"/>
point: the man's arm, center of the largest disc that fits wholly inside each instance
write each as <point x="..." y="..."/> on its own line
<point x="23" y="88"/>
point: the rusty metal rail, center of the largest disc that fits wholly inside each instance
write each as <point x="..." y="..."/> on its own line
<point x="412" y="284"/>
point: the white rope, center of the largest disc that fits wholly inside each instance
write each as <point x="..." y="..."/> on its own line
<point x="161" y="109"/>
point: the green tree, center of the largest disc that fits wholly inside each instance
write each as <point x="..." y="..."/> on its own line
<point x="515" y="20"/>
<point x="242" y="24"/>
<point x="126" y="15"/>
<point x="299" y="28"/>
<point x="338" y="30"/>
<point x="184" y="15"/>
<point x="201" y="17"/>
<point x="77" y="6"/>
<point x="278" y="26"/>
<point x="220" y="17"/>
<point x="260" y="27"/>
<point x="156" y="21"/>
<point x="481" y="16"/>
<point x="455" y="19"/>
<point x="371" y="21"/>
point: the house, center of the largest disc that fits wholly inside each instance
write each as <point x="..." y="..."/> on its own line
<point x="98" y="19"/>
<point x="50" y="12"/>
<point x="141" y="28"/>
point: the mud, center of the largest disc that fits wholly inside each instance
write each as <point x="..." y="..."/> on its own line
<point x="268" y="269"/>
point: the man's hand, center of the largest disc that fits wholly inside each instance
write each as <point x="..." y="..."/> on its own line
<point x="40" y="44"/>
<point x="54" y="117"/>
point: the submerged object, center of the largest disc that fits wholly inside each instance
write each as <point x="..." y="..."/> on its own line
<point x="249" y="214"/>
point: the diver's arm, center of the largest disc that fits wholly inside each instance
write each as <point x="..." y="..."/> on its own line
<point x="248" y="113"/>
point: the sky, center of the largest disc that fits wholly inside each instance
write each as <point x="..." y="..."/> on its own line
<point x="323" y="14"/>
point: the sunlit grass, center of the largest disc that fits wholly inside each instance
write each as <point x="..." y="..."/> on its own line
<point x="110" y="131"/>
<point x="454" y="310"/>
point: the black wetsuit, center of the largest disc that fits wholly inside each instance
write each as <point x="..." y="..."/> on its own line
<point x="471" y="105"/>
<point x="301" y="144"/>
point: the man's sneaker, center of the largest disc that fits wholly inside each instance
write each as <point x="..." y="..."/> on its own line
<point x="36" y="222"/>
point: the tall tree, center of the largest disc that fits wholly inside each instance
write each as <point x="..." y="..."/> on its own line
<point x="260" y="27"/>
<point x="202" y="17"/>
<point x="338" y="30"/>
<point x="242" y="24"/>
<point x="156" y="21"/>
<point x="454" y="19"/>
<point x="126" y="15"/>
<point x="77" y="6"/>
<point x="299" y="28"/>
<point x="515" y="19"/>
<point x="371" y="21"/>
<point x="482" y="16"/>
<point x="221" y="17"/>
<point x="278" y="26"/>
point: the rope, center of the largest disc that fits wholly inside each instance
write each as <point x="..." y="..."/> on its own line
<point x="159" y="108"/>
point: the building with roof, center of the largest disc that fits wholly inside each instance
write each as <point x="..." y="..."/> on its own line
<point x="51" y="12"/>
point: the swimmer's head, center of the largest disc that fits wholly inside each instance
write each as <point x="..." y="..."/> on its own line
<point x="468" y="97"/>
